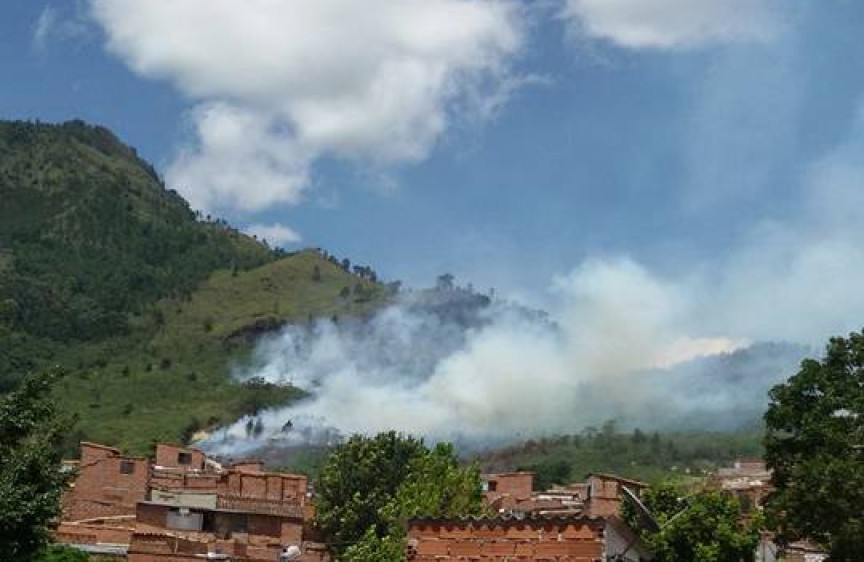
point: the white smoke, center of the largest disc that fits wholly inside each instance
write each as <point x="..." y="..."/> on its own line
<point x="503" y="372"/>
<point x="615" y="324"/>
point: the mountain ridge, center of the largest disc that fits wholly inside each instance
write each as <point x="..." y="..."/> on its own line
<point x="110" y="274"/>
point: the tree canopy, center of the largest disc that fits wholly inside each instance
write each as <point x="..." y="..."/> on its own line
<point x="814" y="445"/>
<point x="707" y="526"/>
<point x="31" y="482"/>
<point x="370" y="486"/>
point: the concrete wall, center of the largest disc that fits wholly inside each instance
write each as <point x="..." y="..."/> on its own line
<point x="184" y="499"/>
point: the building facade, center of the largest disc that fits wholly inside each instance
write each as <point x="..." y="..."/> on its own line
<point x="185" y="506"/>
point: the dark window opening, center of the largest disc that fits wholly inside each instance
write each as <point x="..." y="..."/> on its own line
<point x="184" y="458"/>
<point x="239" y="523"/>
<point x="492" y="486"/>
<point x="127" y="467"/>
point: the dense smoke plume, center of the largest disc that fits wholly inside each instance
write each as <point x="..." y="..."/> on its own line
<point x="456" y="366"/>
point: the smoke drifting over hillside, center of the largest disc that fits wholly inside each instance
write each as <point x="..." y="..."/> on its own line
<point x="617" y="346"/>
<point x="451" y="365"/>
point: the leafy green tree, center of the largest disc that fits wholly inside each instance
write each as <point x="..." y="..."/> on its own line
<point x="436" y="486"/>
<point x="56" y="553"/>
<point x="403" y="479"/>
<point x="357" y="481"/>
<point x="31" y="483"/>
<point x="372" y="548"/>
<point x="707" y="526"/>
<point x="814" y="444"/>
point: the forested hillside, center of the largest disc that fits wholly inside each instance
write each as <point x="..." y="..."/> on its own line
<point x="647" y="456"/>
<point x="144" y="302"/>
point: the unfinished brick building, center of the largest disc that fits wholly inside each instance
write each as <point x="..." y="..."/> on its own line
<point x="184" y="506"/>
<point x="574" y="523"/>
<point x="108" y="484"/>
<point x="509" y="539"/>
<point x="601" y="495"/>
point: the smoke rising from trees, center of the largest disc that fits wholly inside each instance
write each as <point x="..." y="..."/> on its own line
<point x="452" y="365"/>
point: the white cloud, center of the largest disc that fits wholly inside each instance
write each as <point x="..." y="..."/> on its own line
<point x="275" y="234"/>
<point x="375" y="81"/>
<point x="53" y="25"/>
<point x="673" y="24"/>
<point x="241" y="160"/>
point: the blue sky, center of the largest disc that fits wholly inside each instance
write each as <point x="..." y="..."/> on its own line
<point x="710" y="147"/>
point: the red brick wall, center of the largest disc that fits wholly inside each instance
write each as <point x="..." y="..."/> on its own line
<point x="274" y="504"/>
<point x="248" y="466"/>
<point x="512" y="483"/>
<point x="167" y="456"/>
<point x="605" y="495"/>
<point x="265" y="525"/>
<point x="93" y="451"/>
<point x="266" y="486"/>
<point x="152" y="515"/>
<point x="501" y="541"/>
<point x="156" y="548"/>
<point x="291" y="532"/>
<point x="101" y="489"/>
<point x="89" y="534"/>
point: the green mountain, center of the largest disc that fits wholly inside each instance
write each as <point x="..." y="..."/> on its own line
<point x="144" y="302"/>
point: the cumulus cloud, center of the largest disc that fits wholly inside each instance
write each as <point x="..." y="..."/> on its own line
<point x="673" y="24"/>
<point x="275" y="234"/>
<point x="241" y="159"/>
<point x="281" y="84"/>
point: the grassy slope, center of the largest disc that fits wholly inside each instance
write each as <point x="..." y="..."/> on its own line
<point x="109" y="274"/>
<point x="174" y="373"/>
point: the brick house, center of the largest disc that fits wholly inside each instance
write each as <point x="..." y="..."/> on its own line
<point x="109" y="484"/>
<point x="512" y="493"/>
<point x="184" y="506"/>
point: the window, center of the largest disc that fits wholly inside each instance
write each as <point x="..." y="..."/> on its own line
<point x="127" y="467"/>
<point x="184" y="458"/>
<point x="492" y="485"/>
<point x="239" y="523"/>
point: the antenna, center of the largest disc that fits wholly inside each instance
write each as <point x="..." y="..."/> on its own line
<point x="646" y="520"/>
